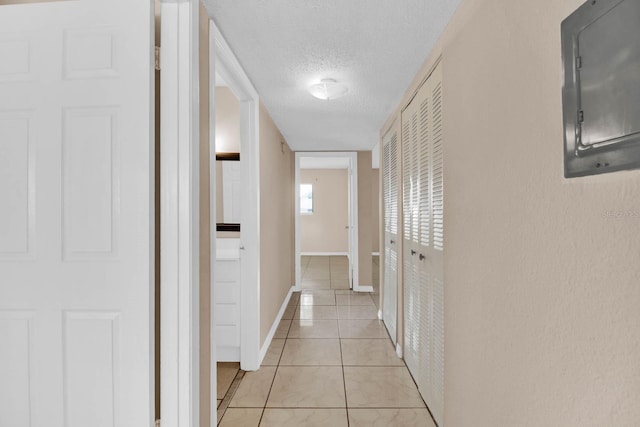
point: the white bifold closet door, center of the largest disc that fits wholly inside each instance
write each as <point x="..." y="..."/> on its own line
<point x="390" y="193"/>
<point x="423" y="241"/>
<point x="76" y="214"/>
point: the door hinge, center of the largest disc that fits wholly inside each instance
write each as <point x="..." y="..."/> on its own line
<point x="157" y="53"/>
<point x="578" y="62"/>
<point x="581" y="116"/>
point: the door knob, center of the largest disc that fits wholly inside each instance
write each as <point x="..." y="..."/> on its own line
<point x="413" y="252"/>
<point x="242" y="248"/>
<point x="393" y="242"/>
<point x="422" y="257"/>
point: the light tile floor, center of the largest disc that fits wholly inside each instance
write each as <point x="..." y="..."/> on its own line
<point x="331" y="364"/>
<point x="227" y="371"/>
<point x="325" y="272"/>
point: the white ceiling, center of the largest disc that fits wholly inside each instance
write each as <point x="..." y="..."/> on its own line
<point x="324" y="163"/>
<point x="375" y="47"/>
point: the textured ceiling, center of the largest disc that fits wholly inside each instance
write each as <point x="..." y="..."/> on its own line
<point x="375" y="47"/>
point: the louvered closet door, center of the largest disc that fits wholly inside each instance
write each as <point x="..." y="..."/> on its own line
<point x="409" y="247"/>
<point x="391" y="242"/>
<point x="424" y="242"/>
<point x="435" y="251"/>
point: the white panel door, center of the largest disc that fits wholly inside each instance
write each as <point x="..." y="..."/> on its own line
<point x="227" y="312"/>
<point x="76" y="197"/>
<point x="390" y="186"/>
<point x="231" y="192"/>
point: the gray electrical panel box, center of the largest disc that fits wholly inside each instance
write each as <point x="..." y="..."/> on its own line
<point x="601" y="93"/>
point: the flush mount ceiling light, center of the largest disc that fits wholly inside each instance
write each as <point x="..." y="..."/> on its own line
<point x="328" y="89"/>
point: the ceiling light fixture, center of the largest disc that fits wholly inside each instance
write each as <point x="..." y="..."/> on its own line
<point x="328" y="89"/>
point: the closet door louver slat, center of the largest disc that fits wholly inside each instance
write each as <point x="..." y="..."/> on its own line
<point x="425" y="183"/>
<point x="438" y="178"/>
<point x="393" y="183"/>
<point x="406" y="181"/>
<point x="415" y="180"/>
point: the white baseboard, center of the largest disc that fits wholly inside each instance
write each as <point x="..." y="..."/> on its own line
<point x="274" y="327"/>
<point x="375" y="253"/>
<point x="398" y="350"/>
<point x="365" y="288"/>
<point x="380" y="314"/>
<point x="324" y="254"/>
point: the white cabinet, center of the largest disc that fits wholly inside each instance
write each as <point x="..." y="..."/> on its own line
<point x="227" y="298"/>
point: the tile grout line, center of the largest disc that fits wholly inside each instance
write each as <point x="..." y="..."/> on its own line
<point x="226" y="400"/>
<point x="344" y="379"/>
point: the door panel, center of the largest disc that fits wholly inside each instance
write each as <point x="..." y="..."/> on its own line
<point x="76" y="243"/>
<point x="435" y="251"/>
<point x="391" y="242"/>
<point x="423" y="196"/>
<point x="410" y="213"/>
<point x="352" y="172"/>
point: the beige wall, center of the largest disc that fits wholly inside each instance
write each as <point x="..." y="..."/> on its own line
<point x="227" y="121"/>
<point x="205" y="225"/>
<point x="276" y="222"/>
<point x="365" y="218"/>
<point x="542" y="286"/>
<point x="324" y="230"/>
<point x="375" y="210"/>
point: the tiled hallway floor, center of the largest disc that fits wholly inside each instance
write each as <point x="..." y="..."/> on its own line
<point x="330" y="364"/>
<point x="325" y="272"/>
<point x="227" y="372"/>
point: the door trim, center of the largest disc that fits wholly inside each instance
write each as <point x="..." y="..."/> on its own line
<point x="228" y="67"/>
<point x="353" y="216"/>
<point x="179" y="214"/>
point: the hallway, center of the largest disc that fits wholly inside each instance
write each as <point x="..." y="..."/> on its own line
<point x="331" y="364"/>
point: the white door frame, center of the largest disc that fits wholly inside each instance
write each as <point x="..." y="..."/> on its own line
<point x="353" y="213"/>
<point x="179" y="214"/>
<point x="228" y="67"/>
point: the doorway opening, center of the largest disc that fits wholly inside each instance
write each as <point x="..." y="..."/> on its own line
<point x="234" y="183"/>
<point x="326" y="220"/>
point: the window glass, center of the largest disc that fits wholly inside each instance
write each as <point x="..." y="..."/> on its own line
<point x="306" y="198"/>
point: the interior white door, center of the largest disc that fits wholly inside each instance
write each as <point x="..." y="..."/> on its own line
<point x="391" y="242"/>
<point x="76" y="218"/>
<point x="231" y="192"/>
<point x="353" y="221"/>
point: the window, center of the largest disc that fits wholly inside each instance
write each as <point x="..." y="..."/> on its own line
<point x="306" y="198"/>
